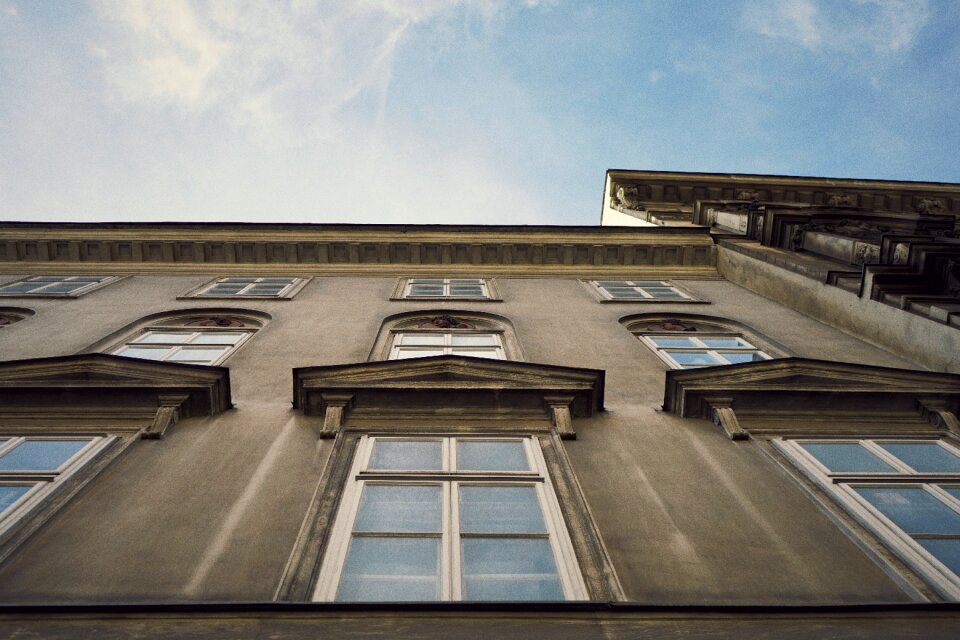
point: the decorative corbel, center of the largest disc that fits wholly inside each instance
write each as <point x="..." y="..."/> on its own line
<point x="559" y="407"/>
<point x="168" y="413"/>
<point x="723" y="416"/>
<point x="334" y="408"/>
<point x="938" y="414"/>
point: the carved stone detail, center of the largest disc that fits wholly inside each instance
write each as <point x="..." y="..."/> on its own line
<point x="562" y="420"/>
<point x="724" y="417"/>
<point x="629" y="198"/>
<point x="929" y="205"/>
<point x="748" y="194"/>
<point x="445" y="322"/>
<point x="216" y="321"/>
<point x="335" y="406"/>
<point x="840" y="200"/>
<point x="168" y="413"/>
<point x="671" y="324"/>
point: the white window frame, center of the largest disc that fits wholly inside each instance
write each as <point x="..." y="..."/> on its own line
<point x="176" y="347"/>
<point x="41" y="291"/>
<point x="450" y="479"/>
<point x="700" y="347"/>
<point x="405" y="289"/>
<point x="447" y="346"/>
<point x="44" y="481"/>
<point x="287" y="292"/>
<point x="641" y="286"/>
<point x="841" y="487"/>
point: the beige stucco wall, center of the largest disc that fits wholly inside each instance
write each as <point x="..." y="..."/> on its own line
<point x="211" y="511"/>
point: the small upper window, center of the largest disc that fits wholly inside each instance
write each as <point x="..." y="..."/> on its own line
<point x="646" y="290"/>
<point x="194" y="340"/>
<point x="419" y="335"/>
<point x="244" y="287"/>
<point x="32" y="467"/>
<point x="65" y="286"/>
<point x="453" y="288"/>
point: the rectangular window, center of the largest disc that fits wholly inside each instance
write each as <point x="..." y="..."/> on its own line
<point x="190" y="347"/>
<point x="688" y="352"/>
<point x="67" y="286"/>
<point x="267" y="287"/>
<point x="906" y="491"/>
<point x="32" y="467"/>
<point x="420" y="344"/>
<point x="474" y="288"/>
<point x="449" y="518"/>
<point x="639" y="290"/>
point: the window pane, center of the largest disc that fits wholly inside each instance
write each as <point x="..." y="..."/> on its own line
<point x="65" y="287"/>
<point x="223" y="290"/>
<point x="946" y="551"/>
<point x="421" y="338"/>
<point x="20" y="287"/>
<point x="427" y="281"/>
<point x="403" y="508"/>
<point x="391" y="569"/>
<point x="613" y="283"/>
<point x="202" y="356"/>
<point x="466" y="291"/>
<point x="265" y="290"/>
<point x="473" y="340"/>
<point x="663" y="293"/>
<point x="925" y="457"/>
<point x="218" y="337"/>
<point x="171" y="337"/>
<point x="475" y="455"/>
<point x="674" y="342"/>
<point x="278" y="280"/>
<point x="405" y="354"/>
<point x="625" y="293"/>
<point x="426" y="290"/>
<point x="509" y="569"/>
<point x="845" y="457"/>
<point x="144" y="353"/>
<point x="406" y="455"/>
<point x="241" y="280"/>
<point x="10" y="494"/>
<point x="693" y="359"/>
<point x="466" y="281"/>
<point x="912" y="509"/>
<point x="746" y="356"/>
<point x="491" y="352"/>
<point x="500" y="509"/>
<point x="725" y="343"/>
<point x="40" y="455"/>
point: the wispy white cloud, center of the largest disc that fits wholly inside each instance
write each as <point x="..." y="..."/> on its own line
<point x="862" y="27"/>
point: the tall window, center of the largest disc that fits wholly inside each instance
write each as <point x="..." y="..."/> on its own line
<point x="54" y="285"/>
<point x="32" y="467"/>
<point x="473" y="288"/>
<point x="243" y="287"/>
<point x="192" y="340"/>
<point x="449" y="518"/>
<point x="906" y="491"/>
<point x="639" y="290"/>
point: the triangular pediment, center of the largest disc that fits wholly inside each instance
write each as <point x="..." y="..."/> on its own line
<point x="106" y="378"/>
<point x="817" y="381"/>
<point x="452" y="375"/>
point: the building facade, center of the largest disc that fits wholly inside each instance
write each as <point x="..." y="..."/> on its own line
<point x="728" y="411"/>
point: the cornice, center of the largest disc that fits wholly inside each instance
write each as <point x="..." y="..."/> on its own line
<point x="332" y="249"/>
<point x="687" y="188"/>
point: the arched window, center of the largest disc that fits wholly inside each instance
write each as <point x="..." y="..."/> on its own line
<point x="422" y="334"/>
<point x="692" y="342"/>
<point x="198" y="337"/>
<point x="10" y="315"/>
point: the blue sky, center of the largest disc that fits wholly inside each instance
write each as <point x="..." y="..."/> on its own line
<point x="435" y="111"/>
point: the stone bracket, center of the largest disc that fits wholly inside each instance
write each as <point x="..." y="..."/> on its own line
<point x="723" y="416"/>
<point x="334" y="410"/>
<point x="168" y="414"/>
<point x="939" y="416"/>
<point x="559" y="407"/>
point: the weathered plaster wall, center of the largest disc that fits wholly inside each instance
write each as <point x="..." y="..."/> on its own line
<point x="211" y="512"/>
